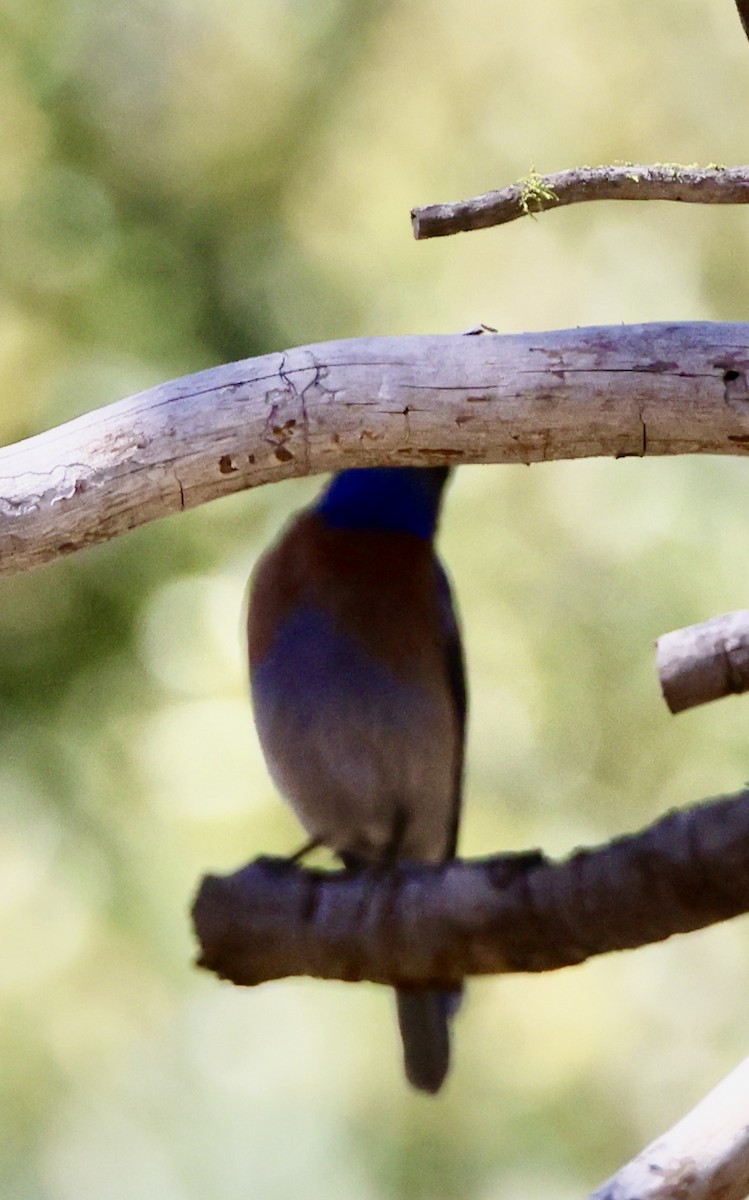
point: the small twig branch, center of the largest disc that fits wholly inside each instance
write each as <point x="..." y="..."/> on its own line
<point x="704" y="662"/>
<point x="622" y="181"/>
<point x="705" y="1155"/>
<point x="624" y="390"/>
<point x="416" y="924"/>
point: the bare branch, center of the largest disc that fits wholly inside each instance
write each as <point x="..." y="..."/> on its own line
<point x="704" y="1156"/>
<point x="416" y="924"/>
<point x="743" y="7"/>
<point x="704" y="662"/>
<point x="623" y="390"/>
<point x="622" y="181"/>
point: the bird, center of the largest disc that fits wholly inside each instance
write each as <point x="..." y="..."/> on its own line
<point x="358" y="687"/>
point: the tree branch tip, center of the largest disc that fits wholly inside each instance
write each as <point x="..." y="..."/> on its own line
<point x="535" y="193"/>
<point x="700" y="663"/>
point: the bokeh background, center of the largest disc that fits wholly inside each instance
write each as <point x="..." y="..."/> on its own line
<point x="183" y="184"/>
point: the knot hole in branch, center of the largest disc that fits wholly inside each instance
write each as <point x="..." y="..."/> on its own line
<point x="736" y="389"/>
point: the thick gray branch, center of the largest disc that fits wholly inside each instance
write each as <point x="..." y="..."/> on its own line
<point x="643" y="389"/>
<point x="704" y="662"/>
<point x="704" y="1156"/>
<point x="626" y="181"/>
<point x="416" y="925"/>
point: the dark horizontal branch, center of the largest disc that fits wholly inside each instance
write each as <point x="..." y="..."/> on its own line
<point x="416" y="924"/>
<point x="704" y="662"/>
<point x="622" y="181"/>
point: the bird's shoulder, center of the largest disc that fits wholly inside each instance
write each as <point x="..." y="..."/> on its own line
<point x="383" y="587"/>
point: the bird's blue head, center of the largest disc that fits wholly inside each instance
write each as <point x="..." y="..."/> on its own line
<point x="406" y="499"/>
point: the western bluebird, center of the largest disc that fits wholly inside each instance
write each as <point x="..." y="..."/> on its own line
<point x="358" y="687"/>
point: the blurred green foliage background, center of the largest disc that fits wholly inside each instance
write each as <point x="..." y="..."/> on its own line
<point x="184" y="183"/>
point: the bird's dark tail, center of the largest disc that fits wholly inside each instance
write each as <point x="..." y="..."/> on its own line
<point x="424" y="1022"/>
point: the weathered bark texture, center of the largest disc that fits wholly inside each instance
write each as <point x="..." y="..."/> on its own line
<point x="416" y="925"/>
<point x="704" y="662"/>
<point x="647" y="389"/>
<point x="704" y="1157"/>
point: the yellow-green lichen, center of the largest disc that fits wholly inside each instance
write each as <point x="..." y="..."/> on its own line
<point x="535" y="193"/>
